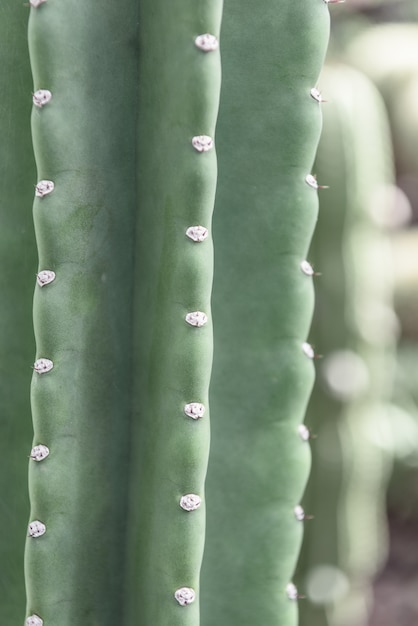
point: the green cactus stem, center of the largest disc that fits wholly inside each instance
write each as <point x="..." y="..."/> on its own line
<point x="267" y="134"/>
<point x="405" y="254"/>
<point x="177" y="181"/>
<point x="123" y="124"/>
<point x="402" y="435"/>
<point x="84" y="142"/>
<point x="18" y="269"/>
<point x="354" y="323"/>
<point x="126" y="187"/>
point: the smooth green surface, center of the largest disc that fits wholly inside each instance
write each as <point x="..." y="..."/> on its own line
<point x="267" y="134"/>
<point x="179" y="94"/>
<point x="18" y="269"/>
<point x="84" y="141"/>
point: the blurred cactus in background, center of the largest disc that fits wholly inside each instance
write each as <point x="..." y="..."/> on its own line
<point x="355" y="326"/>
<point x="18" y="269"/>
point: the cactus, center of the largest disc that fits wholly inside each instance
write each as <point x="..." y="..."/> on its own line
<point x="18" y="268"/>
<point x="396" y="76"/>
<point x="402" y="435"/>
<point x="125" y="104"/>
<point x="173" y="356"/>
<point x="262" y="307"/>
<point x="354" y="323"/>
<point x="372" y="51"/>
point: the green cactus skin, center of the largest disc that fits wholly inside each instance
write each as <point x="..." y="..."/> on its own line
<point x="18" y="269"/>
<point x="405" y="254"/>
<point x="84" y="141"/>
<point x="404" y="119"/>
<point x="118" y="545"/>
<point x="327" y="328"/>
<point x="267" y="134"/>
<point x="354" y="319"/>
<point x="173" y="364"/>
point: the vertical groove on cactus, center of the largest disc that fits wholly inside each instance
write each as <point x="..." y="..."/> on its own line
<point x="267" y="134"/>
<point x="84" y="214"/>
<point x="18" y="268"/>
<point x="177" y="180"/>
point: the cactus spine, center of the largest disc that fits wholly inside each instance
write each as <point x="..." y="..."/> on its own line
<point x="267" y="135"/>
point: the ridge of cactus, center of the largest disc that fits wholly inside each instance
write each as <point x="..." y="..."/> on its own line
<point x="18" y="268"/>
<point x="265" y="212"/>
<point x="177" y="173"/>
<point x="84" y="215"/>
<point x="396" y="77"/>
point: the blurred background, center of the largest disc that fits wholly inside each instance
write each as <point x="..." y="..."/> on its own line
<point x="359" y="562"/>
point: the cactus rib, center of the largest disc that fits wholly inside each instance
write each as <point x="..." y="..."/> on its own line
<point x="84" y="221"/>
<point x="267" y="134"/>
<point x="177" y="180"/>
